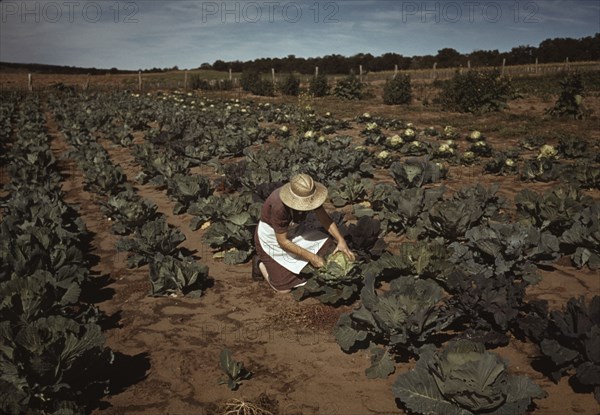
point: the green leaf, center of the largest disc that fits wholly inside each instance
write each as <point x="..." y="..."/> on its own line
<point x="240" y="219"/>
<point x="382" y="364"/>
<point x="345" y="335"/>
<point x="418" y="391"/>
<point x="226" y="360"/>
<point x="412" y="171"/>
<point x="362" y="211"/>
<point x="236" y="256"/>
<point x="521" y="390"/>
<point x="235" y="371"/>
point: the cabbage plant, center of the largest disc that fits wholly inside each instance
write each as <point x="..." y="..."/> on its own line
<point x="151" y="238"/>
<point x="402" y="318"/>
<point x="464" y="379"/>
<point x="129" y="211"/>
<point x="416" y="172"/>
<point x="572" y="343"/>
<point x="186" y="189"/>
<point x="513" y="248"/>
<point x="334" y="283"/>
<point x="584" y="238"/>
<point x="364" y="238"/>
<point x="400" y="210"/>
<point x="451" y="218"/>
<point x="172" y="275"/>
<point x="540" y="169"/>
<point x="350" y="189"/>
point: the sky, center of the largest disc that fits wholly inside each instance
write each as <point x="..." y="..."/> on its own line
<point x="142" y="34"/>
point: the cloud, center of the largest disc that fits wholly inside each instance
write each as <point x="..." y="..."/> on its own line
<point x="144" y="33"/>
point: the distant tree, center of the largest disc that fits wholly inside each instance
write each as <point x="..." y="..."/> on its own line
<point x="557" y="49"/>
<point x="387" y="62"/>
<point x="422" y="62"/>
<point x="589" y="48"/>
<point x="334" y="64"/>
<point x="206" y="65"/>
<point x="448" y="58"/>
<point x="220" y="65"/>
<point x="485" y="58"/>
<point x="550" y="50"/>
<point x="521" y="55"/>
<point x="236" y="66"/>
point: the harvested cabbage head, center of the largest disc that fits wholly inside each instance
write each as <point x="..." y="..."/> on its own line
<point x="337" y="267"/>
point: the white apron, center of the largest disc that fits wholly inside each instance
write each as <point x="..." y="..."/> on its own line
<point x="311" y="240"/>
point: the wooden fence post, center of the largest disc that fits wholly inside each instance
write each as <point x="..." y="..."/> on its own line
<point x="139" y="80"/>
<point x="273" y="75"/>
<point x="395" y="70"/>
<point x="469" y="65"/>
<point x="316" y="71"/>
<point x="230" y="78"/>
<point x="360" y="72"/>
<point x="434" y="74"/>
<point x="29" y="83"/>
<point x="503" y="65"/>
<point x="87" y="82"/>
<point x="536" y="66"/>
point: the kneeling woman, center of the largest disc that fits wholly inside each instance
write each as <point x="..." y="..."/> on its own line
<point x="281" y="252"/>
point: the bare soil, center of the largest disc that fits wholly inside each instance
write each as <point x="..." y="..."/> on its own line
<point x="168" y="348"/>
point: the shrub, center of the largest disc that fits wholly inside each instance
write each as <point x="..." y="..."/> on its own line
<point x="476" y="92"/>
<point x="397" y="91"/>
<point x="291" y="85"/>
<point x="252" y="81"/>
<point x="318" y="86"/>
<point x="204" y="84"/>
<point x="349" y="87"/>
<point x="569" y="103"/>
<point x="225" y="85"/>
<point x="198" y="83"/>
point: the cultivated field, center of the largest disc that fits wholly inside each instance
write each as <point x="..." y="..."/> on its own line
<point x="197" y="166"/>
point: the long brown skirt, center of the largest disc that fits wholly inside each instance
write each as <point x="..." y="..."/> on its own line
<point x="280" y="277"/>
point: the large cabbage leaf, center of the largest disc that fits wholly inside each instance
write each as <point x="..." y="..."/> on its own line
<point x="464" y="379"/>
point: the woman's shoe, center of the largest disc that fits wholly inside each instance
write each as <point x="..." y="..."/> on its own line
<point x="256" y="274"/>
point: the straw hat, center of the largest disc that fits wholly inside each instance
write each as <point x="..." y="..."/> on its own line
<point x="302" y="193"/>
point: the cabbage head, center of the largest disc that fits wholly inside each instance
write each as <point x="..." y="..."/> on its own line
<point x="471" y="377"/>
<point x="337" y="267"/>
<point x="547" y="152"/>
<point x="464" y="379"/>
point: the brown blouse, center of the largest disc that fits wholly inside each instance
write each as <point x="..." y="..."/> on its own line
<point x="277" y="215"/>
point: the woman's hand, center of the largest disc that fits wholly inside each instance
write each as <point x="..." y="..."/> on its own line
<point x="316" y="261"/>
<point x="343" y="247"/>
